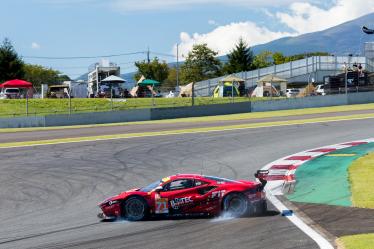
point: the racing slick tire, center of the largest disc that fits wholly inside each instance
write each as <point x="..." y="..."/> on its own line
<point x="135" y="208"/>
<point x="237" y="205"/>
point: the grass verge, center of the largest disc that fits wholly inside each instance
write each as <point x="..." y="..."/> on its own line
<point x="360" y="241"/>
<point x="361" y="176"/>
<point x="17" y="107"/>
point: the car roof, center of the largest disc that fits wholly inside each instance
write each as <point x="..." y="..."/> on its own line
<point x="179" y="176"/>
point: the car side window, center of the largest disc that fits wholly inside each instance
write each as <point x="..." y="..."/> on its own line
<point x="199" y="183"/>
<point x="179" y="184"/>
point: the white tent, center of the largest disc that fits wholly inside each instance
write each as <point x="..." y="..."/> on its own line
<point x="113" y="79"/>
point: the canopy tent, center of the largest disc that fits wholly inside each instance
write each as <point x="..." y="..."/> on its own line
<point x="141" y="79"/>
<point x="226" y="89"/>
<point x="270" y="78"/>
<point x="186" y="91"/>
<point x="149" y="82"/>
<point x="16" y="84"/>
<point x="237" y="87"/>
<point x="232" y="78"/>
<point x="265" y="86"/>
<point x="113" y="79"/>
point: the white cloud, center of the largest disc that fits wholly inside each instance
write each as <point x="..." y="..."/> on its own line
<point x="223" y="38"/>
<point x="140" y="5"/>
<point x="35" y="45"/>
<point x="304" y="17"/>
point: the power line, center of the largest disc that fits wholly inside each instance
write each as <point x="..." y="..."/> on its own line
<point x="83" y="57"/>
<point x="162" y="54"/>
<point x="96" y="56"/>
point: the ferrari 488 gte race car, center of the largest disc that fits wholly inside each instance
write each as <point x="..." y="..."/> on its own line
<point x="189" y="194"/>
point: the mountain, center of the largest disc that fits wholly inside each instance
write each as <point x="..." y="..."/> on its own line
<point x="346" y="38"/>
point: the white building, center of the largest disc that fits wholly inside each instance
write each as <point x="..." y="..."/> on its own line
<point x="99" y="71"/>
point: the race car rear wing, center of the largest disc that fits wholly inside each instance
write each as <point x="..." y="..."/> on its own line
<point x="261" y="176"/>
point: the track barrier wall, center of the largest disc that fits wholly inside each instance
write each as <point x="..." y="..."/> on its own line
<point x="181" y="112"/>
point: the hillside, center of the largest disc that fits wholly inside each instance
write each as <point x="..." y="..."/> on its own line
<point x="346" y="38"/>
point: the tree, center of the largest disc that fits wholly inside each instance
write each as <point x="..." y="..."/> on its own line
<point x="200" y="64"/>
<point x="240" y="58"/>
<point x="155" y="70"/>
<point x="263" y="59"/>
<point x="171" y="80"/>
<point x="11" y="65"/>
<point x="279" y="58"/>
<point x="63" y="77"/>
<point x="38" y="75"/>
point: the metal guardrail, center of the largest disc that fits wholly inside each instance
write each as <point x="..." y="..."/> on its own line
<point x="294" y="71"/>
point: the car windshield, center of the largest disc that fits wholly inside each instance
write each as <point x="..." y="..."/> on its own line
<point x="150" y="186"/>
<point x="219" y="179"/>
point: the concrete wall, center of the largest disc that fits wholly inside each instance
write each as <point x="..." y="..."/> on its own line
<point x="198" y="111"/>
<point x="98" y="117"/>
<point x="360" y="98"/>
<point x="189" y="111"/>
<point x="298" y="103"/>
<point x="22" y="122"/>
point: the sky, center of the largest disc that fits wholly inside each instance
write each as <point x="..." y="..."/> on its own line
<point x="63" y="30"/>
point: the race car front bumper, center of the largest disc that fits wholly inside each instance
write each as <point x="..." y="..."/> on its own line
<point x="102" y="216"/>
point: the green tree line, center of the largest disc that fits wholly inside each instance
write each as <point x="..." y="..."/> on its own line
<point x="13" y="67"/>
<point x="202" y="63"/>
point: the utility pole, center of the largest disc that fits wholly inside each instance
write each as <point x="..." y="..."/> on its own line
<point x="148" y="59"/>
<point x="177" y="66"/>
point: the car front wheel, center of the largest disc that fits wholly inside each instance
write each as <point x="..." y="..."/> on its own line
<point x="135" y="208"/>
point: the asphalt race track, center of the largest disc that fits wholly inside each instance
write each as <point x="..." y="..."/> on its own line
<point x="49" y="193"/>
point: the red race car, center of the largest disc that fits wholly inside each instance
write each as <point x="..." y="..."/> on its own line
<point x="189" y="194"/>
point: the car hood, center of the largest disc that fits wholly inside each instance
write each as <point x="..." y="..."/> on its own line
<point x="121" y="196"/>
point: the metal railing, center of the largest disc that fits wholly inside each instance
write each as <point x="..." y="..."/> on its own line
<point x="294" y="71"/>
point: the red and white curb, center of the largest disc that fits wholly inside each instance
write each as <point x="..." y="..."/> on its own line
<point x="281" y="179"/>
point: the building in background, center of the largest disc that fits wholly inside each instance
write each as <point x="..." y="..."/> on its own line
<point x="98" y="72"/>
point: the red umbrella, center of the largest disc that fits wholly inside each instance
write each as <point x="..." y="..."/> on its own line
<point x="16" y="84"/>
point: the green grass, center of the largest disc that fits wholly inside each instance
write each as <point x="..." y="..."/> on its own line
<point x="361" y="176"/>
<point x="361" y="241"/>
<point x="17" y="107"/>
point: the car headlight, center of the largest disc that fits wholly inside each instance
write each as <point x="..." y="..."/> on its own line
<point x="110" y="203"/>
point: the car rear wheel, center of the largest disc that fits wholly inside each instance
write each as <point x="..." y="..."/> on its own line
<point x="135" y="208"/>
<point x="236" y="204"/>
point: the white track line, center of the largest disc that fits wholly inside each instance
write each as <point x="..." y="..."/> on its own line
<point x="319" y="239"/>
<point x="274" y="188"/>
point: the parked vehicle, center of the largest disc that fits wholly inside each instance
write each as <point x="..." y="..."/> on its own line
<point x="58" y="91"/>
<point x="10" y="93"/>
<point x="292" y="92"/>
<point x="320" y="90"/>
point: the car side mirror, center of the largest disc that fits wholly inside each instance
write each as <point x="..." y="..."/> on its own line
<point x="158" y="189"/>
